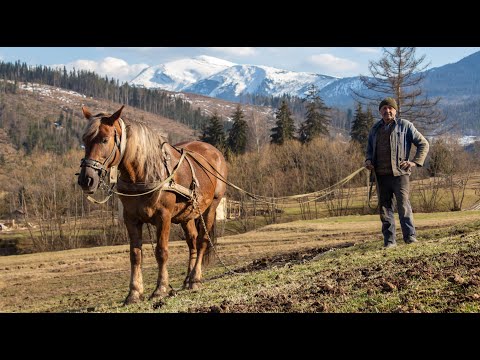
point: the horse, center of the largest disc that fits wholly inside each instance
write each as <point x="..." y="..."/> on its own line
<point x="158" y="184"/>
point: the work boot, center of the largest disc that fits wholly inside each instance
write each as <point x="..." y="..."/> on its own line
<point x="411" y="240"/>
<point x="390" y="245"/>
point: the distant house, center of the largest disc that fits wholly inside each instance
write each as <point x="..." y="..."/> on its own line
<point x="18" y="214"/>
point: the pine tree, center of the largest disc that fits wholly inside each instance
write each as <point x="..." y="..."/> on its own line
<point x="399" y="74"/>
<point x="237" y="140"/>
<point x="362" y="122"/>
<point x="213" y="133"/>
<point x="285" y="129"/>
<point x="316" y="118"/>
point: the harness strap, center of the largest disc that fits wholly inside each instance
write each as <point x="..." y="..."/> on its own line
<point x="157" y="187"/>
<point x="195" y="180"/>
<point x="179" y="189"/>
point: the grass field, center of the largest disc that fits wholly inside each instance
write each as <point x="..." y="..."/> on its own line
<point x="333" y="264"/>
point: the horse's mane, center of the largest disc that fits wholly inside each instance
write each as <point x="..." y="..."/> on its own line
<point x="144" y="147"/>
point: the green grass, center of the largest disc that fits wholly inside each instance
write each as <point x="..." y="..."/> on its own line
<point x="421" y="277"/>
<point x="302" y="287"/>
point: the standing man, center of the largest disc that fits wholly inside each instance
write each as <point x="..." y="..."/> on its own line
<point x="388" y="150"/>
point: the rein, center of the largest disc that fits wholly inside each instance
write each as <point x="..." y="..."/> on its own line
<point x="369" y="196"/>
<point x="318" y="194"/>
<point x="121" y="145"/>
<point x="164" y="185"/>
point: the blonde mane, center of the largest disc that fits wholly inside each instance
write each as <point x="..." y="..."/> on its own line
<point x="144" y="147"/>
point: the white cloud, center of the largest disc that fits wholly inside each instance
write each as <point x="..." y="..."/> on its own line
<point x="109" y="66"/>
<point x="236" y="51"/>
<point x="332" y="64"/>
<point x="367" y="50"/>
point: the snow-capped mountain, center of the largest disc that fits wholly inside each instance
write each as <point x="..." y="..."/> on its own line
<point x="238" y="80"/>
<point x="339" y="92"/>
<point x="178" y="74"/>
<point x="210" y="76"/>
<point x="457" y="83"/>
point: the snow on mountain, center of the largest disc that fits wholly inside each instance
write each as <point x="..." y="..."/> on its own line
<point x="178" y="74"/>
<point x="239" y="80"/>
<point x="339" y="93"/>
<point x="457" y="84"/>
<point x="214" y="77"/>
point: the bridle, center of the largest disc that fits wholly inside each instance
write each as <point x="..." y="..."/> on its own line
<point x="101" y="168"/>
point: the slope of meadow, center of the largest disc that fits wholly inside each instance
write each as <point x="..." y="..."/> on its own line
<point x="329" y="265"/>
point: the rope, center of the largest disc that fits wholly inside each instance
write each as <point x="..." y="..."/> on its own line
<point x="369" y="196"/>
<point x="207" y="235"/>
<point x="262" y="198"/>
<point x="159" y="186"/>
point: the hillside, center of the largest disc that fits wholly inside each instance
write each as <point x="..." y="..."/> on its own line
<point x="41" y="106"/>
<point x="329" y="265"/>
<point x="225" y="108"/>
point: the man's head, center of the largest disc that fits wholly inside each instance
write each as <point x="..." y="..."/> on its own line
<point x="388" y="109"/>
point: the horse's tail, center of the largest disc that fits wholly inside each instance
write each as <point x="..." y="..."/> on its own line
<point x="209" y="253"/>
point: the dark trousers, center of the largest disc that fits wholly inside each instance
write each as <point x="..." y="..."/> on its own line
<point x="389" y="185"/>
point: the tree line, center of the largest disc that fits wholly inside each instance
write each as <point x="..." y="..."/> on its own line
<point x="92" y="85"/>
<point x="317" y="121"/>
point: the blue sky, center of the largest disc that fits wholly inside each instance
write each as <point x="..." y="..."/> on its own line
<point x="124" y="63"/>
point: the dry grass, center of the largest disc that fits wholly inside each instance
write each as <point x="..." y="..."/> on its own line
<point x="96" y="279"/>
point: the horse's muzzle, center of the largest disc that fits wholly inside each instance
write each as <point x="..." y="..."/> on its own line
<point x="88" y="179"/>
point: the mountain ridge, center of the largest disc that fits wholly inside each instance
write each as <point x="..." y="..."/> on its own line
<point x="458" y="84"/>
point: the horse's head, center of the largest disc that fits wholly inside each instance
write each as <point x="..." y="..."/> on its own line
<point x="102" y="139"/>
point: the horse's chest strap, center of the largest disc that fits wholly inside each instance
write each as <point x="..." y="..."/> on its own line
<point x="179" y="189"/>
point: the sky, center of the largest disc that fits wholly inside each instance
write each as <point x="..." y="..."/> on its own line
<point x="124" y="63"/>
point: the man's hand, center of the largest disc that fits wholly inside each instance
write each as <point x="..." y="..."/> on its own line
<point x="368" y="165"/>
<point x="407" y="165"/>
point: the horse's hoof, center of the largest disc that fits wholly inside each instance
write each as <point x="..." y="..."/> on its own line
<point x="133" y="298"/>
<point x="194" y="285"/>
<point x="159" y="294"/>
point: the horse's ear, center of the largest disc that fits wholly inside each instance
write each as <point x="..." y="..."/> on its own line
<point x="86" y="112"/>
<point x="115" y="116"/>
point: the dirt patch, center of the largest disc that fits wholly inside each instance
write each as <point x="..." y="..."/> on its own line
<point x="288" y="259"/>
<point x="441" y="283"/>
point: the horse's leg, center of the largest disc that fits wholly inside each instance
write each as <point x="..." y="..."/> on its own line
<point x="161" y="254"/>
<point x="134" y="229"/>
<point x="191" y="234"/>
<point x="202" y="243"/>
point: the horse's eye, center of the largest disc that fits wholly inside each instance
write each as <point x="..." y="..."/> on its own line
<point x="104" y="140"/>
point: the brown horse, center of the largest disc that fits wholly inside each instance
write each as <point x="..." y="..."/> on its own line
<point x="155" y="186"/>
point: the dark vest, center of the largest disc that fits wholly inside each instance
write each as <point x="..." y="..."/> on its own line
<point x="383" y="161"/>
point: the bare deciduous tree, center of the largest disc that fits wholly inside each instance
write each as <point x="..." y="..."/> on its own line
<point x="399" y="74"/>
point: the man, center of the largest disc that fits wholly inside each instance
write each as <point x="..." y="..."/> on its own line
<point x="388" y="150"/>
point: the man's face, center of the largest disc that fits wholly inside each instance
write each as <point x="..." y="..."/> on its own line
<point x="388" y="113"/>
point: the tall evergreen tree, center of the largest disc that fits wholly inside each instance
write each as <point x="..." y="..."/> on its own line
<point x="399" y="74"/>
<point x="213" y="132"/>
<point x="362" y="122"/>
<point x="237" y="139"/>
<point x="285" y="129"/>
<point x="316" y="118"/>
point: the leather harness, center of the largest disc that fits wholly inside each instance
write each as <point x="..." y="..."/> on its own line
<point x="120" y="144"/>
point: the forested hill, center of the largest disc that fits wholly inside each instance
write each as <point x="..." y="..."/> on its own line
<point x="92" y="85"/>
<point x="43" y="118"/>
